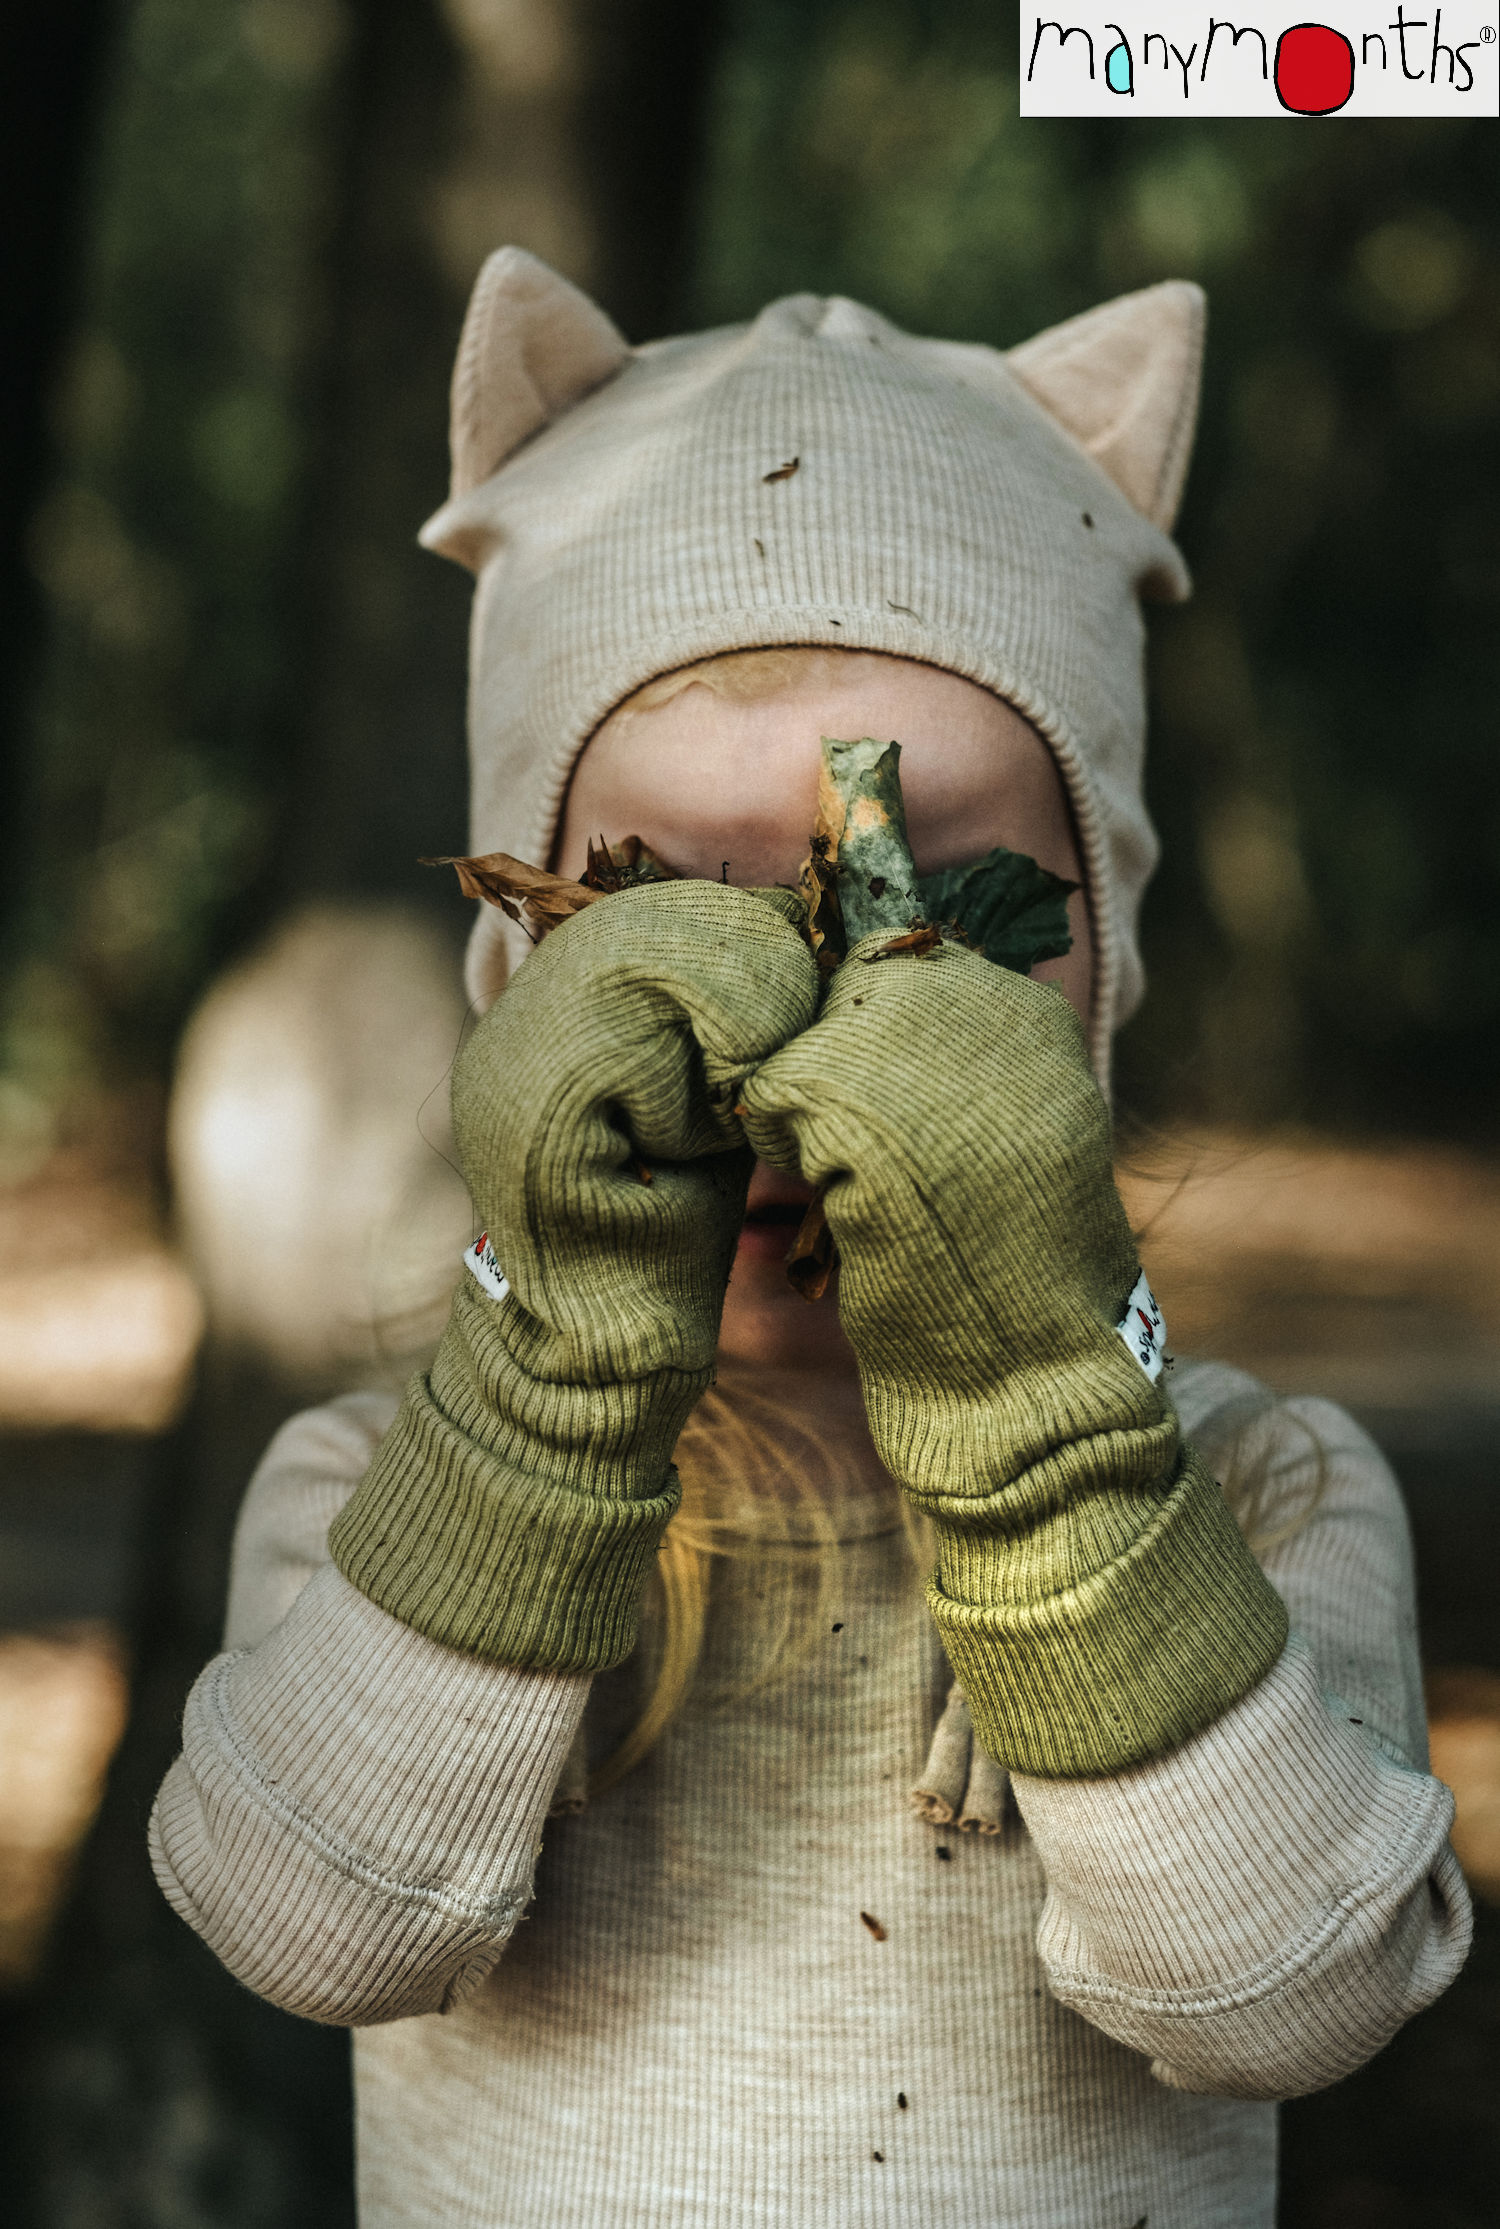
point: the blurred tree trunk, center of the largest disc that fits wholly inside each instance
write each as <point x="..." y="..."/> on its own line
<point x="50" y="66"/>
<point x="570" y="127"/>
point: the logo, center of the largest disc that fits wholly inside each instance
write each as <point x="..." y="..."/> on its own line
<point x="1143" y="1328"/>
<point x="481" y="1262"/>
<point x="1184" y="60"/>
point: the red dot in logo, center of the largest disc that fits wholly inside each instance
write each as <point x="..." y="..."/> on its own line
<point x="1314" y="69"/>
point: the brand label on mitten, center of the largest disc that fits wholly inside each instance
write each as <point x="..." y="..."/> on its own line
<point x="480" y="1258"/>
<point x="1143" y="1328"/>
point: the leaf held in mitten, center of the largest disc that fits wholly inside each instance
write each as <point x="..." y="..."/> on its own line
<point x="1005" y="905"/>
<point x="540" y="900"/>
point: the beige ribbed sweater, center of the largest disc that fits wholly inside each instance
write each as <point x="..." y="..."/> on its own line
<point x="1073" y="2023"/>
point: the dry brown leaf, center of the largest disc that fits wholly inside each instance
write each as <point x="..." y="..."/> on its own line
<point x="540" y="900"/>
<point x="620" y="866"/>
<point x="819" y="884"/>
<point x="813" y="1257"/>
<point x="530" y="895"/>
<point x="918" y="942"/>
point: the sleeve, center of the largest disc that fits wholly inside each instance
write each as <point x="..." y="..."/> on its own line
<point x="354" y="1821"/>
<point x="1261" y="1909"/>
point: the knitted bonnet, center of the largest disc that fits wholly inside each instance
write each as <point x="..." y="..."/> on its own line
<point x="816" y="477"/>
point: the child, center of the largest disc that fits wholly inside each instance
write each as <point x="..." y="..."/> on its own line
<point x="1174" y="1854"/>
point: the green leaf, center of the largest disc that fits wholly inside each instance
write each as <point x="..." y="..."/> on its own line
<point x="1005" y="905"/>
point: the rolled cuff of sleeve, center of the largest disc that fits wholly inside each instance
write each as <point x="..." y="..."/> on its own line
<point x="354" y="1819"/>
<point x="1260" y="1911"/>
<point x="464" y="1547"/>
<point x="1129" y="1660"/>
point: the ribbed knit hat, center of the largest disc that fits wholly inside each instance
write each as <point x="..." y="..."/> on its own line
<point x="816" y="477"/>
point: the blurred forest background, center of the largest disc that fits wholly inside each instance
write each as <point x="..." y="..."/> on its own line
<point x="238" y="236"/>
<point x="237" y="681"/>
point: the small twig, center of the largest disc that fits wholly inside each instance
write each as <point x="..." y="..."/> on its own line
<point x="813" y="1257"/>
<point x="863" y="818"/>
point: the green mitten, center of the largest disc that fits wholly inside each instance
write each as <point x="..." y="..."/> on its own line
<point x="1095" y="1597"/>
<point x="514" y="1508"/>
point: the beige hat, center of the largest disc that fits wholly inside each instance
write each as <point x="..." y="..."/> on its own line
<point x="628" y="511"/>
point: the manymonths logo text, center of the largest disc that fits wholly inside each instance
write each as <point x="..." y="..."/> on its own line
<point x="1168" y="60"/>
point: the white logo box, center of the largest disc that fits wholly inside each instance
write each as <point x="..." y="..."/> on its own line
<point x="1294" y="61"/>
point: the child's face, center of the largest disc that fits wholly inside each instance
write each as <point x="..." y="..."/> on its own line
<point x="718" y="787"/>
<point x="715" y="786"/>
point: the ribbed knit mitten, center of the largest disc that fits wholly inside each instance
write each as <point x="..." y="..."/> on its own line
<point x="514" y="1507"/>
<point x="1095" y="1597"/>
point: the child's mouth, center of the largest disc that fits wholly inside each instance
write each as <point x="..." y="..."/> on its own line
<point x="770" y="1227"/>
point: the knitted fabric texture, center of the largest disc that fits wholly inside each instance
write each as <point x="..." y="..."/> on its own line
<point x="814" y="477"/>
<point x="353" y="1823"/>
<point x="514" y="1508"/>
<point x="1095" y="1598"/>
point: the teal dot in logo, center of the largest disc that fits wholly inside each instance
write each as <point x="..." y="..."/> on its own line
<point x="1117" y="69"/>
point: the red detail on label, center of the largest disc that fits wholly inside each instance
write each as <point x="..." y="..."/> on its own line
<point x="1314" y="71"/>
<point x="481" y="1242"/>
<point x="1146" y="1320"/>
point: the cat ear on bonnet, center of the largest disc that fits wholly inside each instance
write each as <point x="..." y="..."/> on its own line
<point x="532" y="345"/>
<point x="1123" y="381"/>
